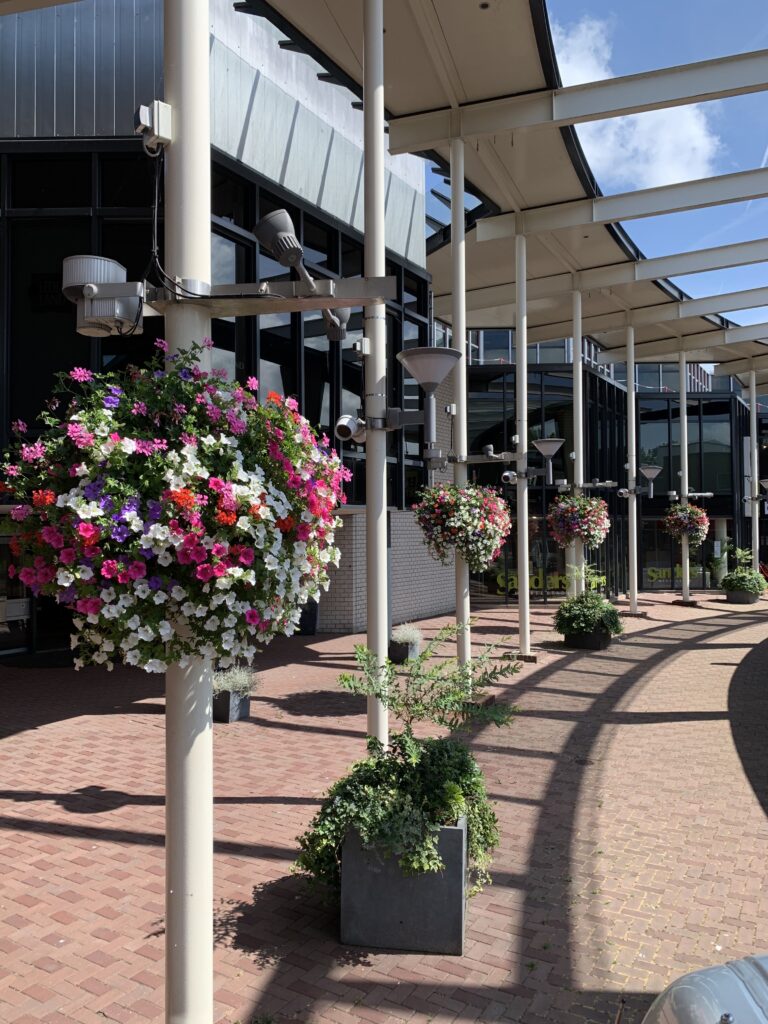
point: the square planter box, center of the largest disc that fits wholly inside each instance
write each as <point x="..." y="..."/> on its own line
<point x="741" y="597"/>
<point x="384" y="909"/>
<point x="588" y="641"/>
<point x="229" y="707"/>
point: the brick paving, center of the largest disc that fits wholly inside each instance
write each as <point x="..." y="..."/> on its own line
<point x="632" y="792"/>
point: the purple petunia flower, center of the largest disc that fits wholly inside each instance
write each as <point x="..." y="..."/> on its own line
<point x="155" y="583"/>
<point x="120" y="533"/>
<point x="111" y="401"/>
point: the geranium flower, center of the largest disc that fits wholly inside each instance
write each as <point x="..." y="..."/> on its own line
<point x="81" y="375"/>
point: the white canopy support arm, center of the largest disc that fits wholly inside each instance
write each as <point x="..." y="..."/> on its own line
<point x="612" y="275"/>
<point x="592" y="101"/>
<point x="649" y="202"/>
<point x="664" y="312"/>
<point x="689" y="343"/>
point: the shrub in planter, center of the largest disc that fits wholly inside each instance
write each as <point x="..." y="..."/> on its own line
<point x="473" y="520"/>
<point x="743" y="585"/>
<point x="396" y="801"/>
<point x="405" y="642"/>
<point x="588" y="621"/>
<point x="232" y="694"/>
<point x="175" y="515"/>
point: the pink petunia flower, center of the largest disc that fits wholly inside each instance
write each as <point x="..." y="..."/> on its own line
<point x="81" y="375"/>
<point x="252" y="384"/>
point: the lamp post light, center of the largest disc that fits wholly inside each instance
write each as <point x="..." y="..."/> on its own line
<point x="548" y="447"/>
<point x="650" y="473"/>
<point x="429" y="367"/>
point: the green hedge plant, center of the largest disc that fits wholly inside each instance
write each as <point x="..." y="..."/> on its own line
<point x="743" y="578"/>
<point x="398" y="798"/>
<point x="589" y="612"/>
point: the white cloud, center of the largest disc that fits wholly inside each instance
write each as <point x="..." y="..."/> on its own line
<point x="656" y="148"/>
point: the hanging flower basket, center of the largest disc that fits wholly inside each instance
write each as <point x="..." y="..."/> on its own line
<point x="574" y="517"/>
<point x="175" y="515"/>
<point x="473" y="520"/>
<point x="687" y="521"/>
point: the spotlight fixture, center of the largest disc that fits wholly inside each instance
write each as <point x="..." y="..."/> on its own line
<point x="276" y="233"/>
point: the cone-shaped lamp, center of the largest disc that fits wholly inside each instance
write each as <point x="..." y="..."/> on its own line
<point x="429" y="366"/>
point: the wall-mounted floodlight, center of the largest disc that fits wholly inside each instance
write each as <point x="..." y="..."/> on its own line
<point x="548" y="447"/>
<point x="276" y="233"/>
<point x="336" y="324"/>
<point x="350" y="428"/>
<point x="650" y="473"/>
<point x="106" y="303"/>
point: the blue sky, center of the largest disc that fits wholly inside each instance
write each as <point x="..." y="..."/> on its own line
<point x="602" y="38"/>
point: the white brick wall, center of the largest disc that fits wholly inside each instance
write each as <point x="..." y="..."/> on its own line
<point x="420" y="586"/>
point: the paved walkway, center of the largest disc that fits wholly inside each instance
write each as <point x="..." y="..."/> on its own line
<point x="632" y="791"/>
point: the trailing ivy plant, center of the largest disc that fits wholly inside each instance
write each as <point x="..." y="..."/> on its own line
<point x="399" y="797"/>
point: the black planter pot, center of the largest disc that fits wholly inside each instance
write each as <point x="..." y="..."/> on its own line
<point x="229" y="707"/>
<point x="596" y="641"/>
<point x="308" y="620"/>
<point x="384" y="909"/>
<point x="398" y="653"/>
<point x="742" y="597"/>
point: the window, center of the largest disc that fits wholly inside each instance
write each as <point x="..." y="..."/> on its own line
<point x="53" y="182"/>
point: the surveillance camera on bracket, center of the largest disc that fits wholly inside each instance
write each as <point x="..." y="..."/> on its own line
<point x="509" y="476"/>
<point x="107" y="303"/>
<point x="350" y="428"/>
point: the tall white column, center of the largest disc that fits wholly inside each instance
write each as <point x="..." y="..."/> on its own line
<point x="578" y="430"/>
<point x="188" y="728"/>
<point x="754" y="470"/>
<point x="521" y="417"/>
<point x="458" y="265"/>
<point x="376" y="362"/>
<point x="683" y="386"/>
<point x="632" y="468"/>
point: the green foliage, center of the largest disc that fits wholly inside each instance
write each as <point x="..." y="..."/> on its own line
<point x="744" y="579"/>
<point x="587" y="613"/>
<point x="427" y="689"/>
<point x="407" y="633"/>
<point x="233" y="680"/>
<point x="398" y="798"/>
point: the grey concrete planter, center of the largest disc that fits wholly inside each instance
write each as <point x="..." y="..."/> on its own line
<point x="384" y="909"/>
<point x="597" y="641"/>
<point x="229" y="707"/>
<point x="742" y="597"/>
<point x="399" y="653"/>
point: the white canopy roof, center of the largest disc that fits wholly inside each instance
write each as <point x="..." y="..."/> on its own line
<point x="447" y="53"/>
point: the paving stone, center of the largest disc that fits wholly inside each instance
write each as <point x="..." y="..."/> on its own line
<point x="629" y="792"/>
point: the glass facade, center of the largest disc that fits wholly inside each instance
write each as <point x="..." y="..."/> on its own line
<point x="550" y="405"/>
<point x="88" y="197"/>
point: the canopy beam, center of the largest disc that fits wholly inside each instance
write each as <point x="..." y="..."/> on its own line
<point x="591" y="101"/>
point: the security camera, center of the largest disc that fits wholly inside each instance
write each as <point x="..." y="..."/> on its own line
<point x="623" y="492"/>
<point x="509" y="476"/>
<point x="350" y="428"/>
<point x="106" y="302"/>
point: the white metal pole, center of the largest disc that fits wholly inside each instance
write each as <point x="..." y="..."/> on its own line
<point x="754" y="471"/>
<point x="683" y="386"/>
<point x="458" y="261"/>
<point x="376" y="362"/>
<point x="578" y="430"/>
<point x="521" y="401"/>
<point x="188" y="729"/>
<point x="632" y="468"/>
